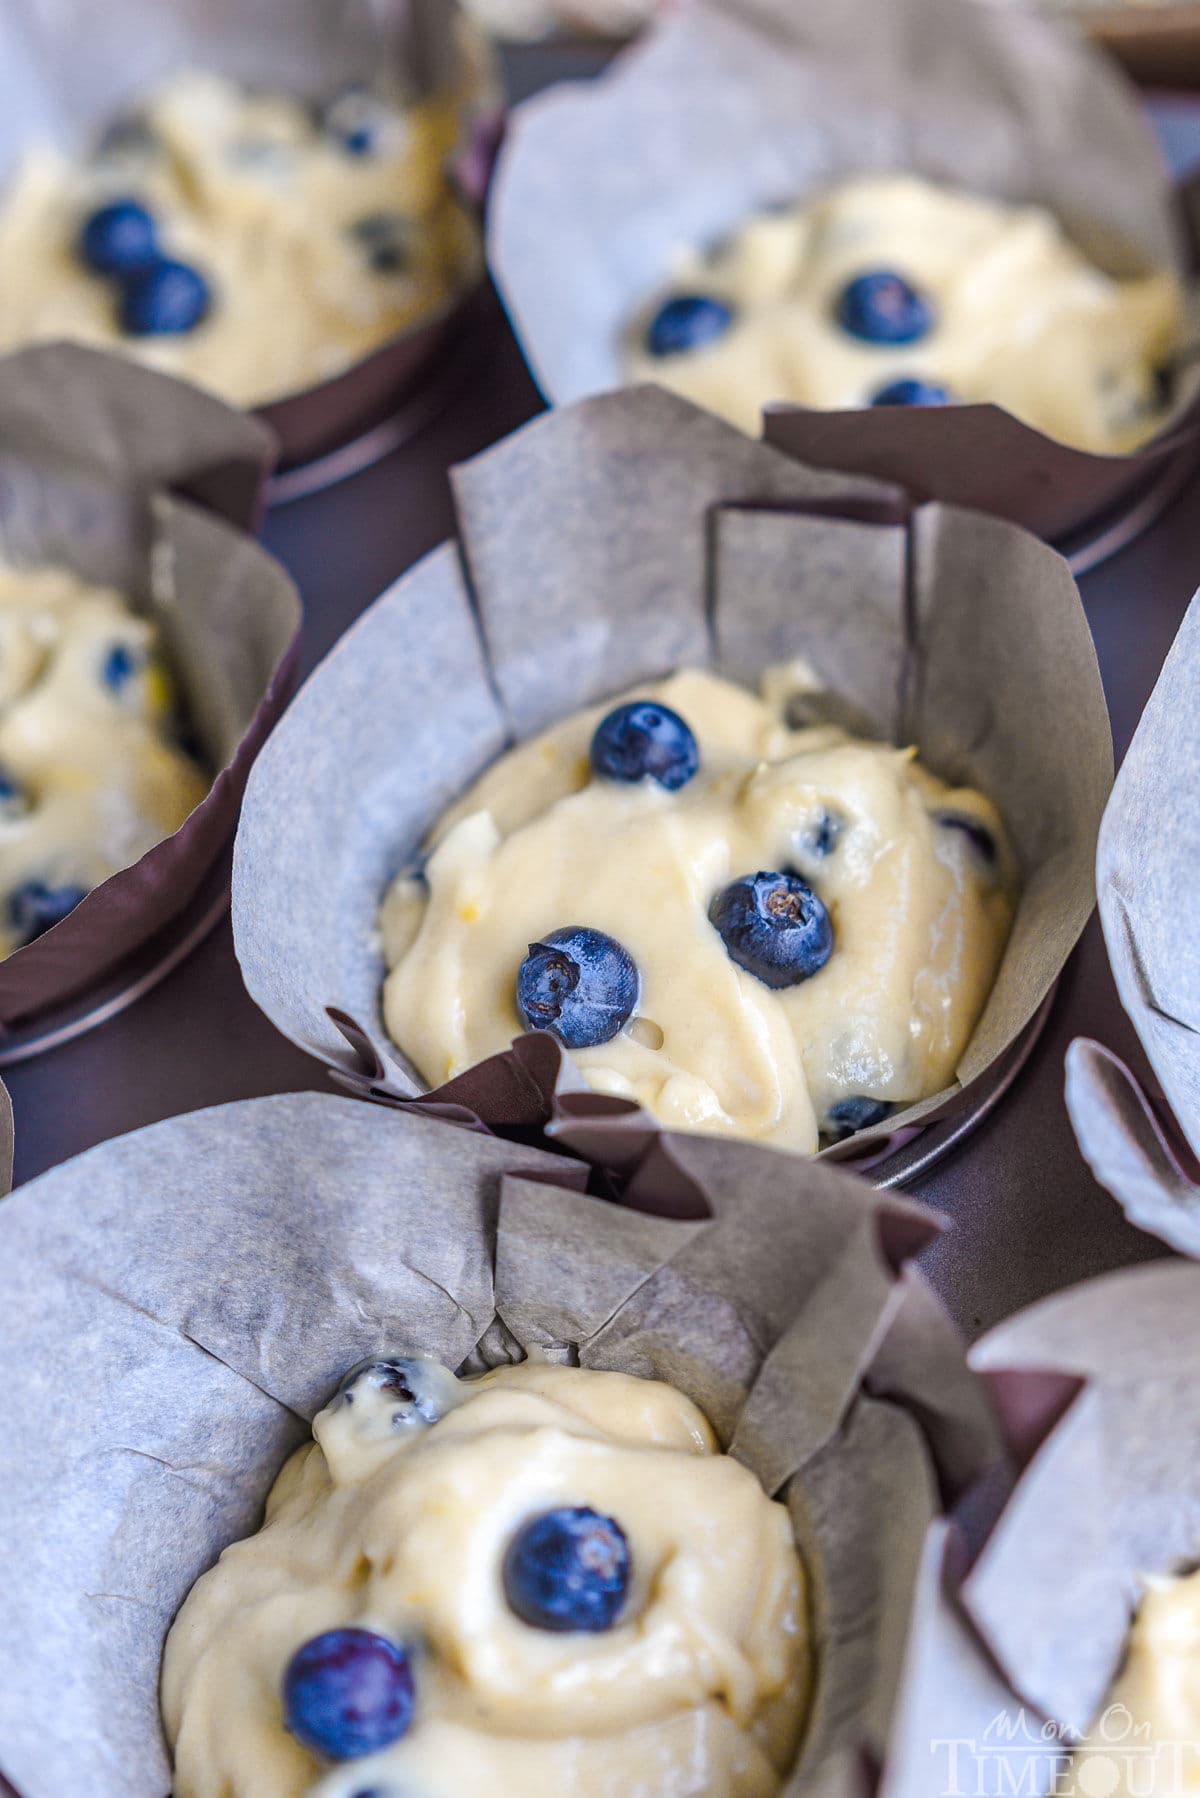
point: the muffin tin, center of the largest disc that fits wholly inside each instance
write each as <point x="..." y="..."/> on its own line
<point x="1028" y="1217"/>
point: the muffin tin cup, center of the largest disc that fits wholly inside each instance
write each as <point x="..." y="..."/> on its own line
<point x="1020" y="1624"/>
<point x="79" y="70"/>
<point x="95" y="458"/>
<point x="714" y="118"/>
<point x="318" y="1232"/>
<point x="606" y="544"/>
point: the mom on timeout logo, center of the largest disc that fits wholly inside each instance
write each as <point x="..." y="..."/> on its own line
<point x="1018" y="1757"/>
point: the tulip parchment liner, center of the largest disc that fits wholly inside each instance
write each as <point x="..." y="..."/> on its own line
<point x="1097" y="1386"/>
<point x="127" y="477"/>
<point x="730" y="108"/>
<point x="612" y="542"/>
<point x="1146" y="869"/>
<point x="222" y="1271"/>
<point x="72" y="68"/>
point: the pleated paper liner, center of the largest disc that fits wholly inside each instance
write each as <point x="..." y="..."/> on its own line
<point x="225" y="1269"/>
<point x="96" y="457"/>
<point x="646" y="536"/>
<point x="726" y="110"/>
<point x="1015" y="1643"/>
<point x="75" y="68"/>
<point x="1145" y="1151"/>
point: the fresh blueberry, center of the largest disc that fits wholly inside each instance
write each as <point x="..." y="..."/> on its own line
<point x="688" y="322"/>
<point x="119" y="238"/>
<point x="849" y="1115"/>
<point x="978" y="835"/>
<point x="14" y="800"/>
<point x="912" y="392"/>
<point x="165" y="299"/>
<point x="775" y="927"/>
<point x="420" y="1388"/>
<point x="643" y="739"/>
<point x="387" y="239"/>
<point x="348" y="1693"/>
<point x="119" y="667"/>
<point x="35" y="908"/>
<point x="353" y="119"/>
<point x="881" y="307"/>
<point x="579" y="984"/>
<point x="568" y="1570"/>
<point x="1164" y="380"/>
<point x="822" y="837"/>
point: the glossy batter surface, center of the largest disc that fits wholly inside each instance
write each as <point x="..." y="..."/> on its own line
<point x="920" y="916"/>
<point x="315" y="253"/>
<point x="90" y="778"/>
<point x="401" y="1526"/>
<point x="1021" y="317"/>
<point x="1146" y="1742"/>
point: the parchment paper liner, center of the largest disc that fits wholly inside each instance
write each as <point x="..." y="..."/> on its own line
<point x="224" y="1269"/>
<point x="731" y="108"/>
<point x="95" y="456"/>
<point x="1146" y="862"/>
<point x="1098" y="1386"/>
<point x="602" y="545"/>
<point x="72" y="67"/>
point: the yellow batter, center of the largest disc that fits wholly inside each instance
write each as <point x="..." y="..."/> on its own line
<point x="399" y="1523"/>
<point x="1146" y="1742"/>
<point x="89" y="777"/>
<point x="920" y="917"/>
<point x="1021" y="318"/>
<point x="282" y="221"/>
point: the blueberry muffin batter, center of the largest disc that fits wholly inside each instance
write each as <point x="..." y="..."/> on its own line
<point x="90" y="778"/>
<point x="244" y="241"/>
<point x="1146" y="1741"/>
<point x="544" y="1580"/>
<point x="889" y="291"/>
<point x="746" y="928"/>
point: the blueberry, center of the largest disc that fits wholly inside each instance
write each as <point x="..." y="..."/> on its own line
<point x="688" y="322"/>
<point x="119" y="238"/>
<point x="849" y="1115"/>
<point x="420" y="1388"/>
<point x="978" y="835"/>
<point x="912" y="392"/>
<point x="822" y="837"/>
<point x="568" y="1570"/>
<point x="643" y="739"/>
<point x="119" y="667"/>
<point x="35" y="908"/>
<point x="14" y="800"/>
<point x="579" y="984"/>
<point x="354" y="119"/>
<point x="164" y="300"/>
<point x="881" y="307"/>
<point x="775" y="927"/>
<point x="386" y="238"/>
<point x="347" y="1693"/>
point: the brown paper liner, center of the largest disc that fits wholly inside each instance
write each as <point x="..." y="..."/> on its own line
<point x="651" y="536"/>
<point x="74" y="69"/>
<point x="726" y="110"/>
<point x="224" y="1269"/>
<point x="95" y="456"/>
<point x="1096" y="1390"/>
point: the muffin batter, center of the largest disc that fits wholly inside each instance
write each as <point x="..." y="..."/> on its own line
<point x="1009" y="310"/>
<point x="410" y="1518"/>
<point x="90" y="778"/>
<point x="914" y="888"/>
<point x="310" y="237"/>
<point x="1147" y="1739"/>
